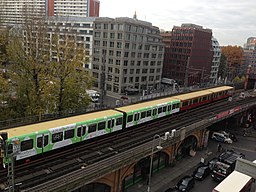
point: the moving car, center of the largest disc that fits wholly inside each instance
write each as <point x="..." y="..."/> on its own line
<point x="201" y="172"/>
<point x="186" y="183"/>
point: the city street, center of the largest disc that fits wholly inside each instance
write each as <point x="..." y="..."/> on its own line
<point x="245" y="145"/>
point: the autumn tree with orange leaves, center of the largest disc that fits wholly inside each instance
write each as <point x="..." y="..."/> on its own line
<point x="234" y="55"/>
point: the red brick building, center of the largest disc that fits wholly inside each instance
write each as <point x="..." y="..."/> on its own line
<point x="190" y="52"/>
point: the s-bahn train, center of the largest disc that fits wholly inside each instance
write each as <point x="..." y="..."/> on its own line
<point x="30" y="140"/>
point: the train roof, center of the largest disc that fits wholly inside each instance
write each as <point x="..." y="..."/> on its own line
<point x="191" y="95"/>
<point x="147" y="104"/>
<point x="222" y="88"/>
<point x="22" y="130"/>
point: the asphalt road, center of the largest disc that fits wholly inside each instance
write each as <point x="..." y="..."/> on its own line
<point x="245" y="145"/>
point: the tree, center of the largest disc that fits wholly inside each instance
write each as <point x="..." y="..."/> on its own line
<point x="69" y="77"/>
<point x="222" y="72"/>
<point x="234" y="55"/>
<point x="47" y="70"/>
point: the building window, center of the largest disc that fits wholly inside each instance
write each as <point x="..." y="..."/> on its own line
<point x="119" y="36"/>
<point x="97" y="34"/>
<point x="118" y="62"/>
<point x="105" y="35"/>
<point x="118" y="53"/>
<point x="125" y="62"/>
<point x="105" y="26"/>
<point x="111" y="44"/>
<point x="127" y="45"/>
<point x="97" y="26"/>
<point x="119" y="45"/>
<point x="112" y="35"/>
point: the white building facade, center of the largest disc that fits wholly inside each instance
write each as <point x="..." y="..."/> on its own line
<point x="215" y="62"/>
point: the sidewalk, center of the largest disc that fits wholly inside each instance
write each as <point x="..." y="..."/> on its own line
<point x="169" y="176"/>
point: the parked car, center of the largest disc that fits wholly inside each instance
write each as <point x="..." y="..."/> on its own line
<point x="186" y="183"/>
<point x="229" y="135"/>
<point x="221" y="137"/>
<point x="212" y="162"/>
<point x="201" y="172"/>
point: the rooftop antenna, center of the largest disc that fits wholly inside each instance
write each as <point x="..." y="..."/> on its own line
<point x="135" y="16"/>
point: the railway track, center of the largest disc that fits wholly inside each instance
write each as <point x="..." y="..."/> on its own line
<point x="89" y="153"/>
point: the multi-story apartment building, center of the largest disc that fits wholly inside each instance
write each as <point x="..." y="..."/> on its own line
<point x="80" y="28"/>
<point x="13" y="11"/>
<point x="78" y="8"/>
<point x="189" y="58"/>
<point x="215" y="62"/>
<point x="130" y="54"/>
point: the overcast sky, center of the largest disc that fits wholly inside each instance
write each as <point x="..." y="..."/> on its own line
<point x="232" y="21"/>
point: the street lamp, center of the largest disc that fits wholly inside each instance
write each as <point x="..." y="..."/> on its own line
<point x="158" y="147"/>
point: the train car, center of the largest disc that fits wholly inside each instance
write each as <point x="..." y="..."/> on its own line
<point x="221" y="92"/>
<point x="30" y="140"/>
<point x="194" y="99"/>
<point x="147" y="111"/>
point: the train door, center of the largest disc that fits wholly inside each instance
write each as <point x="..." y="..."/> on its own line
<point x="154" y="113"/>
<point x="160" y="111"/>
<point x="42" y="140"/>
<point x="111" y="125"/>
<point x="81" y="131"/>
<point x="136" y="118"/>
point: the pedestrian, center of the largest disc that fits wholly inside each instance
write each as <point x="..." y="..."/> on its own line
<point x="219" y="147"/>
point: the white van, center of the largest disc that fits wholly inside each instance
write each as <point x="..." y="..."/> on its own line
<point x="221" y="137"/>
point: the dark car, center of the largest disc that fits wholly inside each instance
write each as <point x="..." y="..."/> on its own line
<point x="212" y="162"/>
<point x="186" y="183"/>
<point x="172" y="190"/>
<point x="201" y="172"/>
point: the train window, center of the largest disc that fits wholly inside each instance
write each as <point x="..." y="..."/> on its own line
<point x="169" y="107"/>
<point x="204" y="98"/>
<point x="164" y="108"/>
<point x="69" y="134"/>
<point x="129" y="118"/>
<point x="40" y="139"/>
<point x="92" y="128"/>
<point x="56" y="137"/>
<point x="149" y="113"/>
<point x="119" y="121"/>
<point x="101" y="125"/>
<point x="81" y="131"/>
<point x="10" y="149"/>
<point x="185" y="103"/>
<point x="143" y="114"/>
<point x="154" y="112"/>
<point x="26" y="145"/>
<point x="160" y="110"/>
<point x="195" y="100"/>
<point x="174" y="106"/>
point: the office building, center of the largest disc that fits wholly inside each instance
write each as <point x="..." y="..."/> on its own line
<point x="130" y="54"/>
<point x="188" y="60"/>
